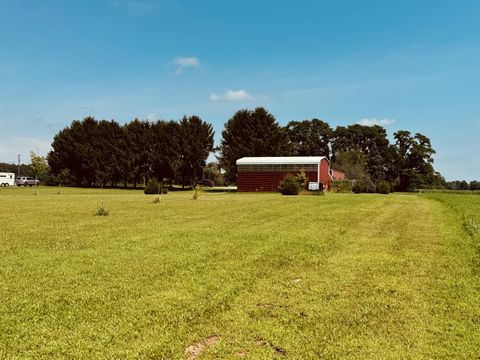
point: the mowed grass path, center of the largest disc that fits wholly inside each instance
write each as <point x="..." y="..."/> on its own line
<point x="338" y="276"/>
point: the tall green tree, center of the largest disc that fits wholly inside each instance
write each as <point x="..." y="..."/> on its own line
<point x="372" y="141"/>
<point x="137" y="141"/>
<point x="163" y="149"/>
<point x="309" y="137"/>
<point x="38" y="165"/>
<point x="250" y="133"/>
<point x="71" y="150"/>
<point x="353" y="163"/>
<point x="92" y="151"/>
<point x="195" y="142"/>
<point x="108" y="150"/>
<point x="415" y="161"/>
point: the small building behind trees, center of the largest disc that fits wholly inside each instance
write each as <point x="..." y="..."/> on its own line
<point x="338" y="175"/>
<point x="266" y="173"/>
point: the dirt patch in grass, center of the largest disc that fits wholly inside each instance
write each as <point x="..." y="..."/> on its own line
<point x="195" y="350"/>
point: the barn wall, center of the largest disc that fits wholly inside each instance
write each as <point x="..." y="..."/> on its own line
<point x="338" y="175"/>
<point x="264" y="181"/>
<point x="325" y="178"/>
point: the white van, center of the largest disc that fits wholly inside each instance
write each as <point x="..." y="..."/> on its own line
<point x="7" y="179"/>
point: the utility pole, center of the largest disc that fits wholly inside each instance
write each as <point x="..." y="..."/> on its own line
<point x="18" y="175"/>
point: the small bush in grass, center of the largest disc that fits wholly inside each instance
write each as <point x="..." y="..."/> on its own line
<point x="471" y="225"/>
<point x="342" y="186"/>
<point x="102" y="211"/>
<point x="290" y="185"/>
<point x="359" y="187"/>
<point x="364" y="186"/>
<point x="196" y="194"/>
<point x="154" y="187"/>
<point x="383" y="187"/>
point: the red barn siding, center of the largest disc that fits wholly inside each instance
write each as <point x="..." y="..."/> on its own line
<point x="251" y="181"/>
<point x="338" y="175"/>
<point x="325" y="173"/>
<point x="264" y="181"/>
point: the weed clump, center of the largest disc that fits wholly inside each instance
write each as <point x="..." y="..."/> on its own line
<point x="102" y="211"/>
<point x="471" y="225"/>
<point x="196" y="194"/>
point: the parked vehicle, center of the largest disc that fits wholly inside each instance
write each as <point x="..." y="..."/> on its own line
<point x="206" y="182"/>
<point x="27" y="181"/>
<point x="7" y="179"/>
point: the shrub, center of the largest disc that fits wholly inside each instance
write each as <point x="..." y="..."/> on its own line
<point x="290" y="185"/>
<point x="102" y="211"/>
<point x="302" y="179"/>
<point x="364" y="186"/>
<point x="342" y="186"/>
<point x="196" y="194"/>
<point x="383" y="187"/>
<point x="359" y="187"/>
<point x="155" y="187"/>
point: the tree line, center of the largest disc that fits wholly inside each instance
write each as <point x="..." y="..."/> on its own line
<point x="100" y="152"/>
<point x="362" y="152"/>
<point x="463" y="185"/>
<point x="94" y="152"/>
<point x="25" y="170"/>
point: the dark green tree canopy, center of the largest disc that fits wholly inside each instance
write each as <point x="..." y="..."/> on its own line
<point x="195" y="143"/>
<point x="309" y="137"/>
<point x="99" y="152"/>
<point x="372" y="141"/>
<point x="137" y="138"/>
<point x="353" y="163"/>
<point x="250" y="133"/>
<point x="415" y="161"/>
<point x="96" y="153"/>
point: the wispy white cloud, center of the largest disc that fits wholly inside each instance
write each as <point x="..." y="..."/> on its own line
<point x="373" y="122"/>
<point x="182" y="63"/>
<point x="231" y="95"/>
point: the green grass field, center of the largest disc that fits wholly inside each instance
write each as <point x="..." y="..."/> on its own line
<point x="230" y="276"/>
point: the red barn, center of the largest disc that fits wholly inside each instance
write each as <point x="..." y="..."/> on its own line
<point x="338" y="175"/>
<point x="266" y="173"/>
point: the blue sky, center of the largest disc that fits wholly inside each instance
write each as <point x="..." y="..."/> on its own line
<point x="410" y="65"/>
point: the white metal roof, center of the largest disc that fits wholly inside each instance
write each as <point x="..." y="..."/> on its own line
<point x="280" y="160"/>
